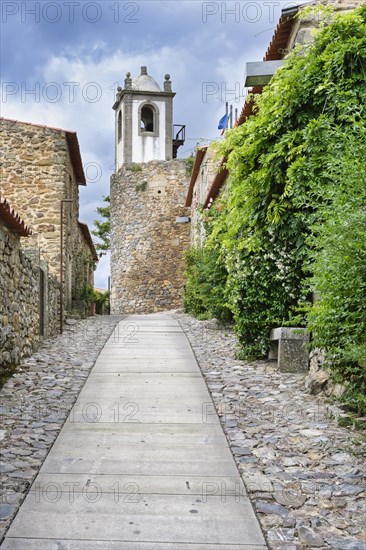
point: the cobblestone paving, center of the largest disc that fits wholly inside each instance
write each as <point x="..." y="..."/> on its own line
<point x="304" y="473"/>
<point x="36" y="400"/>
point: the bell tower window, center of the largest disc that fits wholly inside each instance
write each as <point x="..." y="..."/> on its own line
<point x="119" y="126"/>
<point x="148" y="119"/>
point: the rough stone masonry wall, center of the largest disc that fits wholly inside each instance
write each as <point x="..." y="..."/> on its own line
<point x="77" y="253"/>
<point x="20" y="300"/>
<point x="83" y="273"/>
<point x="147" y="244"/>
<point x="33" y="176"/>
<point x="302" y="32"/>
<point x="36" y="174"/>
<point x="83" y="265"/>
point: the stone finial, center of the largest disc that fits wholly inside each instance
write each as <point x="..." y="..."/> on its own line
<point x="128" y="81"/>
<point x="143" y="70"/>
<point x="167" y="83"/>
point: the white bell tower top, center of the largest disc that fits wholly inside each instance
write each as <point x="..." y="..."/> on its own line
<point x="144" y="120"/>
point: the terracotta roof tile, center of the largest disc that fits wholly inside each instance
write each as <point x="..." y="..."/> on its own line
<point x="12" y="220"/>
<point x="201" y="151"/>
<point x="87" y="236"/>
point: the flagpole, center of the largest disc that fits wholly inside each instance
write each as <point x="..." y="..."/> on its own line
<point x="224" y="121"/>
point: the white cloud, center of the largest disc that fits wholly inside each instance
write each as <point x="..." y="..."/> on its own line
<point x="86" y="74"/>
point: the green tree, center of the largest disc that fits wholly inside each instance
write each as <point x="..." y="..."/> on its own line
<point x="103" y="228"/>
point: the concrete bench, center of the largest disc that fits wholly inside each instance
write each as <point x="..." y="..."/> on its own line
<point x="289" y="347"/>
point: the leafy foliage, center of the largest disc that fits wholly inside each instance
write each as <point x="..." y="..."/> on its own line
<point x="205" y="294"/>
<point x="189" y="164"/>
<point x="206" y="276"/>
<point x="90" y="295"/>
<point x="87" y="294"/>
<point x="102" y="301"/>
<point x="338" y="318"/>
<point x="292" y="216"/>
<point x="103" y="228"/>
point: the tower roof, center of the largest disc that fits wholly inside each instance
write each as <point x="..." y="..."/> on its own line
<point x="145" y="82"/>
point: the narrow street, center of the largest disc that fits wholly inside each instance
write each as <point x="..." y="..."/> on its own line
<point x="142" y="461"/>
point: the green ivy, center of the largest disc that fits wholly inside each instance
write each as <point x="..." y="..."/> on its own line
<point x="206" y="275"/>
<point x="290" y="221"/>
<point x="189" y="162"/>
<point x="338" y="318"/>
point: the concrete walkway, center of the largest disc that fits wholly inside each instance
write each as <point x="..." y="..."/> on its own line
<point x="142" y="462"/>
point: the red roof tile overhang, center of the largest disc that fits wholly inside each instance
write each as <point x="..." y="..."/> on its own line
<point x="276" y="51"/>
<point x="217" y="183"/>
<point x="277" y="48"/>
<point x="87" y="236"/>
<point x="201" y="151"/>
<point x="12" y="220"/>
<point x="73" y="145"/>
<point x="74" y="149"/>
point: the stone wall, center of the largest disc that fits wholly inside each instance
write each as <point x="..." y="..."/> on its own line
<point x="33" y="179"/>
<point x="208" y="170"/>
<point x="83" y="265"/>
<point x="83" y="273"/>
<point x="20" y="329"/>
<point x="37" y="173"/>
<point x="147" y="243"/>
<point x="302" y="32"/>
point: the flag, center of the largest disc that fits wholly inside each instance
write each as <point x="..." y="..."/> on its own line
<point x="223" y="122"/>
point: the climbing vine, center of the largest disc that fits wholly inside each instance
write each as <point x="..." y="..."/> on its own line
<point x="292" y="216"/>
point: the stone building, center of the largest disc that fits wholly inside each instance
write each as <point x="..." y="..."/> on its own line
<point x="206" y="185"/>
<point x="149" y="223"/>
<point x="40" y="176"/>
<point x="29" y="295"/>
<point x="205" y="168"/>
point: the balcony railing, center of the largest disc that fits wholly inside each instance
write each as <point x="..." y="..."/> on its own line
<point x="179" y="136"/>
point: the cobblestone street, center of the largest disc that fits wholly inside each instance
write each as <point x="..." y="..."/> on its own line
<point x="304" y="473"/>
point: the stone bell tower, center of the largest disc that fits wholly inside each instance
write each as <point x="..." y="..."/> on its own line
<point x="144" y="120"/>
<point x="149" y="223"/>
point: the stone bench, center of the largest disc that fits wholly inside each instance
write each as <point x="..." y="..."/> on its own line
<point x="289" y="347"/>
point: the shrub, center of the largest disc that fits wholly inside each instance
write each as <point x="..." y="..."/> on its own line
<point x="205" y="285"/>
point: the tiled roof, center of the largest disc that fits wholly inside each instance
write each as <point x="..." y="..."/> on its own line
<point x="87" y="236"/>
<point x="201" y="151"/>
<point x="277" y="48"/>
<point x="12" y="220"/>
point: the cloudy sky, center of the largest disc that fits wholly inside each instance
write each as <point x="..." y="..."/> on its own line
<point x="63" y="60"/>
